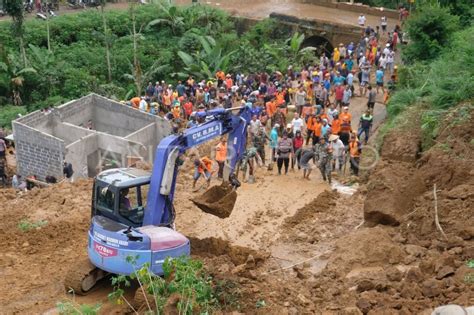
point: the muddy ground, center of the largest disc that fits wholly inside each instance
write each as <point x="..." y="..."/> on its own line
<point x="297" y="245"/>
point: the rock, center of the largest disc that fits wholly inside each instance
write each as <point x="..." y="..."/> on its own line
<point x="393" y="274"/>
<point x="460" y="192"/>
<point x="414" y="275"/>
<point x="409" y="260"/>
<point x="25" y="244"/>
<point x="365" y="285"/>
<point x="430" y="288"/>
<point x="410" y="291"/>
<point x="303" y="299"/>
<point x="250" y="262"/>
<point x="286" y="304"/>
<point x="455" y="251"/>
<point x="467" y="233"/>
<point x="363" y="305"/>
<point x="415" y="250"/>
<point x="445" y="272"/>
<point x="427" y="266"/>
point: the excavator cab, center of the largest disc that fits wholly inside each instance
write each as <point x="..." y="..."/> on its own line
<point x="119" y="198"/>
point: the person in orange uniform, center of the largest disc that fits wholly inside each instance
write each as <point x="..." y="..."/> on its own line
<point x="176" y="111"/>
<point x="229" y="82"/>
<point x="317" y="130"/>
<point x="346" y="128"/>
<point x="309" y="127"/>
<point x="221" y="156"/>
<point x="336" y="125"/>
<point x="202" y="167"/>
<point x="220" y="76"/>
<point x="135" y="102"/>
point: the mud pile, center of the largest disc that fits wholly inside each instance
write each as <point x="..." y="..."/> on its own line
<point x="43" y="231"/>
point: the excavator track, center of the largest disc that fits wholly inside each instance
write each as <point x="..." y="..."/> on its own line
<point x="82" y="277"/>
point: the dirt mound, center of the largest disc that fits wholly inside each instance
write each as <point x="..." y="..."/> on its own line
<point x="211" y="247"/>
<point x="392" y="187"/>
<point x="42" y="232"/>
<point x="218" y="201"/>
<point x="323" y="202"/>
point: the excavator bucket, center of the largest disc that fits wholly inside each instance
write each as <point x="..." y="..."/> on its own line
<point x="218" y="201"/>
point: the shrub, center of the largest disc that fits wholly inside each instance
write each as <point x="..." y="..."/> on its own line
<point x="9" y="113"/>
<point x="430" y="29"/>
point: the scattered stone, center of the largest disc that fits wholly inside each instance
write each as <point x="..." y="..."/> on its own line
<point x="303" y="299"/>
<point x="365" y="285"/>
<point x="414" y="275"/>
<point x="393" y="274"/>
<point x="430" y="288"/>
<point x="364" y="305"/>
<point x="445" y="272"/>
<point x="415" y="250"/>
<point x="350" y="311"/>
<point x="286" y="304"/>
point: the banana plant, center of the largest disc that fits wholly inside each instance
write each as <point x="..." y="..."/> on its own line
<point x="15" y="71"/>
<point x="204" y="63"/>
<point x="295" y="48"/>
<point x="172" y="17"/>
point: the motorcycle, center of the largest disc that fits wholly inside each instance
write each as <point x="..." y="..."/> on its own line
<point x="29" y="6"/>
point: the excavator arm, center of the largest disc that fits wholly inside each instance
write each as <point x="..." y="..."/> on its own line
<point x="159" y="207"/>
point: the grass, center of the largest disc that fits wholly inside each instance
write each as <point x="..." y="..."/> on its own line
<point x="434" y="88"/>
<point x="25" y="225"/>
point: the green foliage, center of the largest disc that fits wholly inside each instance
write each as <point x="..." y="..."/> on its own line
<point x="9" y="113"/>
<point x="25" y="225"/>
<point x="72" y="308"/>
<point x="184" y="279"/>
<point x="439" y="85"/>
<point x="430" y="29"/>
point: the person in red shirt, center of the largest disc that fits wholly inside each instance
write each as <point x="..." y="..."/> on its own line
<point x="188" y="109"/>
<point x="298" y="141"/>
<point x="339" y="95"/>
<point x="229" y="82"/>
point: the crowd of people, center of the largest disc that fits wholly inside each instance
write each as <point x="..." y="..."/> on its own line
<point x="320" y="130"/>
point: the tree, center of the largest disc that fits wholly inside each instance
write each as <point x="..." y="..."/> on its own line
<point x="204" y="64"/>
<point x="15" y="72"/>
<point x="172" y="17"/>
<point x="107" y="40"/>
<point x="429" y="29"/>
<point x="47" y="67"/>
<point x="15" y="9"/>
<point x="296" y="50"/>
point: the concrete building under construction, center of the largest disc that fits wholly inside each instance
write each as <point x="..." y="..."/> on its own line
<point x="92" y="133"/>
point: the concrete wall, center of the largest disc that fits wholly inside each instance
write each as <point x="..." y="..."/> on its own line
<point x="45" y="140"/>
<point x="335" y="33"/>
<point x="37" y="153"/>
<point x="77" y="153"/>
<point x="76" y="112"/>
<point x="117" y="119"/>
<point x="69" y="133"/>
<point x="149" y="137"/>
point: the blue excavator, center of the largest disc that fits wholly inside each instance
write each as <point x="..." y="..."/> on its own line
<point x="126" y="224"/>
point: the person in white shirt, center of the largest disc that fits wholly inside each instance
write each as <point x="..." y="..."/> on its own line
<point x="255" y="125"/>
<point x="338" y="152"/>
<point x="361" y="20"/>
<point x="143" y="105"/>
<point x="383" y="61"/>
<point x="383" y="23"/>
<point x="297" y="123"/>
<point x="332" y="111"/>
<point x="390" y="61"/>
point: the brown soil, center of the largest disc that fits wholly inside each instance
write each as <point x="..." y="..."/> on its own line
<point x="295" y="245"/>
<point x="218" y="201"/>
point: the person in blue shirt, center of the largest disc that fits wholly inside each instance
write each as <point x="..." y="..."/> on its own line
<point x="349" y="64"/>
<point x="379" y="79"/>
<point x="274" y="140"/>
<point x="327" y="82"/>
<point x="338" y="79"/>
